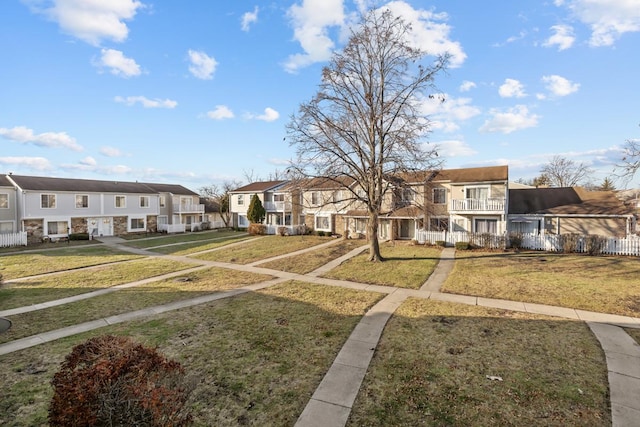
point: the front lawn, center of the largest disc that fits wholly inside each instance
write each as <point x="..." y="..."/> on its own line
<point x="606" y="284"/>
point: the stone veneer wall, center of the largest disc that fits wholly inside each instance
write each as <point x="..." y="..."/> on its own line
<point x="339" y="226"/>
<point x="34" y="229"/>
<point x="120" y="225"/>
<point x="152" y="223"/>
<point x="79" y="225"/>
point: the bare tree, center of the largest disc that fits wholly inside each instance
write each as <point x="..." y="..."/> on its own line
<point x="562" y="172"/>
<point x="630" y="162"/>
<point x="220" y="195"/>
<point x="365" y="122"/>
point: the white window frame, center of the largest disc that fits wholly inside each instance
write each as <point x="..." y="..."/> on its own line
<point x="145" y="202"/>
<point x="66" y="226"/>
<point x="137" y="218"/>
<point x="485" y="219"/>
<point x="50" y="198"/>
<point x="118" y="197"/>
<point x="81" y="206"/>
<point x="241" y="200"/>
<point x="434" y="198"/>
<point x="163" y="201"/>
<point x="315" y="198"/>
<point x="5" y="197"/>
<point x="278" y="197"/>
<point x="476" y="187"/>
<point x="243" y="221"/>
<point x="323" y="216"/>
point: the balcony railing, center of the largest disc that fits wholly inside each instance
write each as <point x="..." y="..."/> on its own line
<point x="477" y="205"/>
<point x="185" y="209"/>
<point x="277" y="206"/>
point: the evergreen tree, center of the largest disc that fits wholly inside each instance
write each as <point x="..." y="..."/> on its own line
<point x="256" y="211"/>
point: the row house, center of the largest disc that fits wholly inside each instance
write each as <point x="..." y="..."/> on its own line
<point x="56" y="207"/>
<point x="471" y="199"/>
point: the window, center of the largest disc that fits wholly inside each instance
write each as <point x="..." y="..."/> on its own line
<point x="136" y="224"/>
<point x="407" y="195"/>
<point x="439" y="196"/>
<point x="438" y="224"/>
<point x="121" y="201"/>
<point x="243" y="222"/>
<point x="163" y="201"/>
<point x="477" y="193"/>
<point x="240" y="199"/>
<point x="323" y="223"/>
<point x="82" y="201"/>
<point x="278" y="197"/>
<point x="144" y="201"/>
<point x="57" y="227"/>
<point x="361" y="225"/>
<point x="315" y="198"/>
<point x="4" y="201"/>
<point x="48" y="201"/>
<point x="486" y="226"/>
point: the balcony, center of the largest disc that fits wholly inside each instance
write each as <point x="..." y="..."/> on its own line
<point x="188" y="209"/>
<point x="494" y="206"/>
<point x="277" y="206"/>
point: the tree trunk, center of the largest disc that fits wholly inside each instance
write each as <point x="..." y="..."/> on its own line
<point x="372" y="235"/>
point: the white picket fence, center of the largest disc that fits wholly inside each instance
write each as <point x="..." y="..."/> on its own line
<point x="629" y="245"/>
<point x="13" y="239"/>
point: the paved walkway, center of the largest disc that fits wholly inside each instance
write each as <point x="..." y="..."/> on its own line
<point x="331" y="403"/>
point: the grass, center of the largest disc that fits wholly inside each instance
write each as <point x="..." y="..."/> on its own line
<point x="66" y="284"/>
<point x="16" y="265"/>
<point x="188" y="248"/>
<point x="263" y="248"/>
<point x="432" y="363"/>
<point x="168" y="239"/>
<point x="307" y="262"/>
<point x="190" y="285"/>
<point x="602" y="284"/>
<point x="405" y="266"/>
<point x="257" y="358"/>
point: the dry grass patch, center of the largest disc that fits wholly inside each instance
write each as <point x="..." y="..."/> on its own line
<point x="405" y="266"/>
<point x="257" y="357"/>
<point x="188" y="286"/>
<point x="262" y="248"/>
<point x="633" y="333"/>
<point x="66" y="284"/>
<point x="432" y="363"/>
<point x="307" y="262"/>
<point x="199" y="246"/>
<point x="170" y="239"/>
<point x="603" y="284"/>
<point x="17" y="265"/>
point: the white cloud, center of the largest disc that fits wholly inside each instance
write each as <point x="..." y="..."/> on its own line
<point x="608" y="19"/>
<point x="516" y="118"/>
<point x="146" y="102"/>
<point x="118" y="64"/>
<point x="221" y="112"/>
<point x="90" y="20"/>
<point x="559" y="86"/>
<point x="563" y="37"/>
<point x="110" y="152"/>
<point x="88" y="161"/>
<point x="311" y="22"/>
<point x="269" y="115"/>
<point x="447" y="115"/>
<point x="512" y="89"/>
<point x="466" y="86"/>
<point x="202" y="65"/>
<point x="455" y="148"/>
<point x="35" y="163"/>
<point x="429" y="32"/>
<point x="249" y="18"/>
<point x="25" y="135"/>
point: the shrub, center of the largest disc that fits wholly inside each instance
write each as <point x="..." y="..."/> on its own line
<point x="515" y="240"/>
<point x="257" y="229"/>
<point x="283" y="231"/>
<point x="462" y="246"/>
<point x="111" y="380"/>
<point x="320" y="233"/>
<point x="595" y="245"/>
<point x="569" y="242"/>
<point x="441" y="243"/>
<point x="79" y="236"/>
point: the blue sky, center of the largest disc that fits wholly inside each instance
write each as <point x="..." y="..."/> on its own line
<point x="197" y="93"/>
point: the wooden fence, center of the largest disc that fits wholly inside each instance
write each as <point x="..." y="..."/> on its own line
<point x="629" y="245"/>
<point x="13" y="239"/>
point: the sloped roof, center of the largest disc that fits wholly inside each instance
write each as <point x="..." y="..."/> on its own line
<point x="260" y="186"/>
<point x="39" y="183"/>
<point x="565" y="201"/>
<point x="481" y="174"/>
<point x="210" y="205"/>
<point x="321" y="183"/>
<point x="4" y="181"/>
